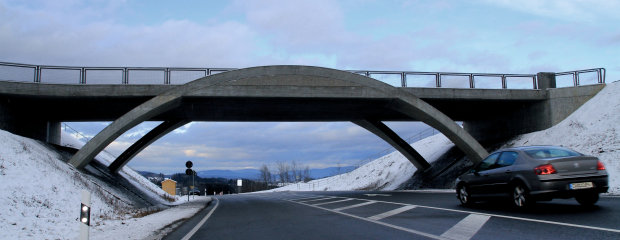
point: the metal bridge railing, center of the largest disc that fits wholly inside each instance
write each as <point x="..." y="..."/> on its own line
<point x="162" y="75"/>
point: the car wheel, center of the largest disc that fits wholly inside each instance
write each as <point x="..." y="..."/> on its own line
<point x="463" y="195"/>
<point x="588" y="199"/>
<point x="520" y="196"/>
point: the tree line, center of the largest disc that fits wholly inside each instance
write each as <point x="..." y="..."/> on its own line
<point x="285" y="173"/>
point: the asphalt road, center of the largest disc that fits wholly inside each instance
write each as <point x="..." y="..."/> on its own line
<point x="395" y="215"/>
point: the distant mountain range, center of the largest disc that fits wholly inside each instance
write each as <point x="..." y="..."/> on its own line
<point x="255" y="173"/>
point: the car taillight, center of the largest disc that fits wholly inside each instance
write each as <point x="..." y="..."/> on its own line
<point x="600" y="166"/>
<point x="545" y="169"/>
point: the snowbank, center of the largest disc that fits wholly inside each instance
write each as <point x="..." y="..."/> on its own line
<point x="593" y="129"/>
<point x="385" y="173"/>
<point x="41" y="197"/>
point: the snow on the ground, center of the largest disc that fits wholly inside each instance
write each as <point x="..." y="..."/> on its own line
<point x="153" y="226"/>
<point x="41" y="196"/>
<point x="385" y="173"/>
<point x="594" y="129"/>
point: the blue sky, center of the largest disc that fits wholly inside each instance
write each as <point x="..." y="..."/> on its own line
<point x="457" y="36"/>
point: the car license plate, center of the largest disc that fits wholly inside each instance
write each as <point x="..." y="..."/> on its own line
<point x="581" y="185"/>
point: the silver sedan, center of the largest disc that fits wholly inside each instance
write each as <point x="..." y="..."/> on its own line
<point x="536" y="173"/>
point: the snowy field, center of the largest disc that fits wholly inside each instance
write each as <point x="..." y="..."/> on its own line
<point x="41" y="193"/>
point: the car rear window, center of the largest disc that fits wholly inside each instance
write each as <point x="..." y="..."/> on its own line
<point x="546" y="153"/>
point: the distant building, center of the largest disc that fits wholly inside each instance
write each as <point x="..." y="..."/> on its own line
<point x="169" y="186"/>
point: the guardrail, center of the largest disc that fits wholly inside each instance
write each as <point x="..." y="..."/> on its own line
<point x="179" y="75"/>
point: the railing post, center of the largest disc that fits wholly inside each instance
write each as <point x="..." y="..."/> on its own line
<point x="534" y="82"/>
<point x="37" y="74"/>
<point x="471" y="81"/>
<point x="576" y="78"/>
<point x="125" y="76"/>
<point x="82" y="75"/>
<point x="403" y="79"/>
<point x="504" y="82"/>
<point x="438" y="79"/>
<point x="167" y="76"/>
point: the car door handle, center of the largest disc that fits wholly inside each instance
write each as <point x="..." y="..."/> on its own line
<point x="508" y="171"/>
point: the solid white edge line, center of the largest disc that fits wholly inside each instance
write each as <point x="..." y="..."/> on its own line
<point x="195" y="229"/>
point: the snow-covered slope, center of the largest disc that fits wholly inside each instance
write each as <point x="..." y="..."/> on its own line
<point x="593" y="129"/>
<point x="385" y="173"/>
<point x="41" y="194"/>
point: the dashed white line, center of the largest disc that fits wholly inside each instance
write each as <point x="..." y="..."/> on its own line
<point x="391" y="213"/>
<point x="466" y="228"/>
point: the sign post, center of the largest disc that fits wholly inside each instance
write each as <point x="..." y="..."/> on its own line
<point x="85" y="215"/>
<point x="239" y="183"/>
<point x="189" y="171"/>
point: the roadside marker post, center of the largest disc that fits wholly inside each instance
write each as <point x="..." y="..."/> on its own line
<point x="239" y="184"/>
<point x="85" y="215"/>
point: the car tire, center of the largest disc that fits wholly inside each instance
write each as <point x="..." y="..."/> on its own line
<point x="521" y="198"/>
<point x="463" y="195"/>
<point x="587" y="199"/>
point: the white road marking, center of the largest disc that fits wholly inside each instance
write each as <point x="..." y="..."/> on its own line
<point x="376" y="222"/>
<point x="391" y="213"/>
<point x="354" y="206"/>
<point x="314" y="200"/>
<point x="202" y="222"/>
<point x="466" y="228"/>
<point x="343" y="200"/>
<point x="510" y="217"/>
<point x="304" y="198"/>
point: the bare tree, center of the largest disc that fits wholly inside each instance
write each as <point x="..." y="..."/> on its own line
<point x="294" y="171"/>
<point x="265" y="175"/>
<point x="306" y="174"/>
<point x="283" y="172"/>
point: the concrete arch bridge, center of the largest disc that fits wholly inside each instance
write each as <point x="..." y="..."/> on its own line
<point x="286" y="93"/>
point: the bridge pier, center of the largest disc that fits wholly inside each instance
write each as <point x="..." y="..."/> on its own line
<point x="158" y="132"/>
<point x="385" y="133"/>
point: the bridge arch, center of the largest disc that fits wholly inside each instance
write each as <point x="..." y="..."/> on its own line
<point x="284" y="82"/>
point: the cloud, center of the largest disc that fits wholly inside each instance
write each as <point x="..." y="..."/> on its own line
<point x="567" y="10"/>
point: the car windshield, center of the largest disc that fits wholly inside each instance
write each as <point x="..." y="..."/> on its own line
<point x="547" y="153"/>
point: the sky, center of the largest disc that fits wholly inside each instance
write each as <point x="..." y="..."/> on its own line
<point x="502" y="36"/>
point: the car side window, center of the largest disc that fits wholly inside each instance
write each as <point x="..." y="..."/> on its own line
<point x="488" y="162"/>
<point x="507" y="159"/>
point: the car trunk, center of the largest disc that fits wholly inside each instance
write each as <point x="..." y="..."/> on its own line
<point x="575" y="165"/>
